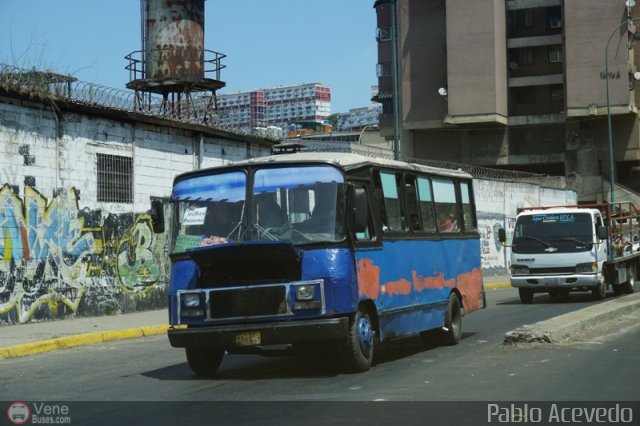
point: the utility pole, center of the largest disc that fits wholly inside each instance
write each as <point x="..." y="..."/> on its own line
<point x="395" y="75"/>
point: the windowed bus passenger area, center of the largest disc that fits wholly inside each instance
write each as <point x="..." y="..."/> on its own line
<point x="320" y="251"/>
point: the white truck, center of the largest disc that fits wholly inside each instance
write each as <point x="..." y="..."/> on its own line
<point x="561" y="249"/>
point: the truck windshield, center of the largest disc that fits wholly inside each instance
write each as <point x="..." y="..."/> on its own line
<point x="553" y="233"/>
<point x="302" y="205"/>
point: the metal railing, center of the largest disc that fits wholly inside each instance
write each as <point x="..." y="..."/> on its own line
<point x="212" y="61"/>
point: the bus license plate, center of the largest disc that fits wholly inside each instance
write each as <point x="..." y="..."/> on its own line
<point x="249" y="338"/>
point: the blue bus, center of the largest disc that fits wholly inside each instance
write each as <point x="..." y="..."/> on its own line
<point x="319" y="251"/>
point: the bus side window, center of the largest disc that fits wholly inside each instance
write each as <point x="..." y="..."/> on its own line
<point x="426" y="205"/>
<point x="415" y="224"/>
<point x="447" y="214"/>
<point x="367" y="234"/>
<point x="467" y="208"/>
<point x="391" y="200"/>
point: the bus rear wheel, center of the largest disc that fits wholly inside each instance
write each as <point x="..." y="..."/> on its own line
<point x="204" y="361"/>
<point x="360" y="342"/>
<point x="452" y="330"/>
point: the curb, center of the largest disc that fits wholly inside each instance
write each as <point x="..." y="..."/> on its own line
<point x="83" y="339"/>
<point x="497" y="285"/>
<point x="559" y="328"/>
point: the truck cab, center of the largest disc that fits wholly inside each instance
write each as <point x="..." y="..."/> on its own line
<point x="559" y="250"/>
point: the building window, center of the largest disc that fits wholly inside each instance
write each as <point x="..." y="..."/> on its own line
<point x="555" y="54"/>
<point x="524" y="18"/>
<point x="556" y="93"/>
<point x="383" y="69"/>
<point x="525" y="56"/>
<point x="383" y="34"/>
<point x="555" y="17"/>
<point x="115" y="179"/>
<point x="525" y="95"/>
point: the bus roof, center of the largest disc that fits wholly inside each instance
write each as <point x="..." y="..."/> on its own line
<point x="345" y="161"/>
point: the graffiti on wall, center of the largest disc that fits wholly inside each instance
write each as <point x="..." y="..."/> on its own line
<point x="56" y="259"/>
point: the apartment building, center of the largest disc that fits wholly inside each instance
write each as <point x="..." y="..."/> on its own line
<point x="517" y="84"/>
<point x="359" y="118"/>
<point x="279" y="106"/>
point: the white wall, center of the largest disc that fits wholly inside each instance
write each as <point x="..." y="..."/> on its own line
<point x="61" y="251"/>
<point x="497" y="204"/>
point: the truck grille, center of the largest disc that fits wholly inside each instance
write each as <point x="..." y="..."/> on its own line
<point x="248" y="301"/>
<point x="564" y="270"/>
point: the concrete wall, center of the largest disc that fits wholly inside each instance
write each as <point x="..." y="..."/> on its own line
<point x="62" y="252"/>
<point x="497" y="203"/>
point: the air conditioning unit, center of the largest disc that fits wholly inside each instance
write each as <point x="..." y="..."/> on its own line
<point x="555" y="22"/>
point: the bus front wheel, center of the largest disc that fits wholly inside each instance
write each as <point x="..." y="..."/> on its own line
<point x="204" y="361"/>
<point x="359" y="347"/>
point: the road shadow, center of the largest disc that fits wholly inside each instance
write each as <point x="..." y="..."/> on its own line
<point x="571" y="298"/>
<point x="240" y="367"/>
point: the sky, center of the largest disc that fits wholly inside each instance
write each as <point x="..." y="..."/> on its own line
<point x="267" y="43"/>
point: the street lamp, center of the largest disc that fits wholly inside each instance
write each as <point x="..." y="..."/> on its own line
<point x="368" y="126"/>
<point x="636" y="36"/>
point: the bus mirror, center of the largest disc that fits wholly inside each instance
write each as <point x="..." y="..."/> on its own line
<point x="360" y="210"/>
<point x="502" y="235"/>
<point x="602" y="233"/>
<point x="157" y="216"/>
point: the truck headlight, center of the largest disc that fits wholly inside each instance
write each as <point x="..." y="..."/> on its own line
<point x="191" y="300"/>
<point x="519" y="270"/>
<point x="586" y="268"/>
<point x="305" y="292"/>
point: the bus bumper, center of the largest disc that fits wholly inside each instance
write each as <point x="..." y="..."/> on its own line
<point x="274" y="333"/>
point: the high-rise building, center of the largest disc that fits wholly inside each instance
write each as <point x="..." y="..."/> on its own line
<point x="279" y="106"/>
<point x="518" y="84"/>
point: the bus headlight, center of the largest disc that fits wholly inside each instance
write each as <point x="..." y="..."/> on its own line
<point x="586" y="268"/>
<point x="308" y="296"/>
<point x="305" y="292"/>
<point x="519" y="270"/>
<point x="191" y="300"/>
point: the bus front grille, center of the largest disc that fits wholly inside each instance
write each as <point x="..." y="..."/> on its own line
<point x="248" y="301"/>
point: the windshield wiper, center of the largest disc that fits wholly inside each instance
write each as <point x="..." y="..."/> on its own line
<point x="544" y="243"/>
<point x="573" y="240"/>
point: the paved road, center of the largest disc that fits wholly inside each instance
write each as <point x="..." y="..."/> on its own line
<point x="479" y="368"/>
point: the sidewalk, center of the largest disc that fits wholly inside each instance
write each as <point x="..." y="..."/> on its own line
<point x="33" y="338"/>
<point x="38" y="337"/>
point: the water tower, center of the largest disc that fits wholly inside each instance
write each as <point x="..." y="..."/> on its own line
<point x="173" y="62"/>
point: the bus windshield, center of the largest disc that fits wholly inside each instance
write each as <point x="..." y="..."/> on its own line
<point x="298" y="204"/>
<point x="553" y="233"/>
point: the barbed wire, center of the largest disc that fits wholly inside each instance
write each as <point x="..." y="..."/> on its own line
<point x="54" y="86"/>
<point x="479" y="172"/>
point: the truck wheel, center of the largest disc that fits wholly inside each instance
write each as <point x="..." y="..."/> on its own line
<point x="628" y="287"/>
<point x="600" y="292"/>
<point x="204" y="361"/>
<point x="526" y="295"/>
<point x="452" y="331"/>
<point x="359" y="345"/>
